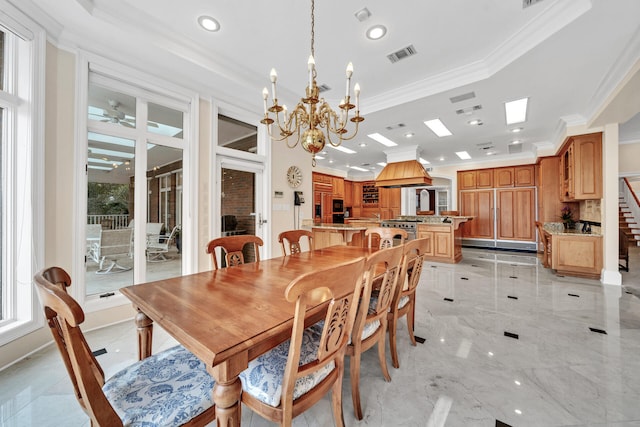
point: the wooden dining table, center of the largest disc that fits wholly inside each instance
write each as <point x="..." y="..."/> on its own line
<point x="229" y="316"/>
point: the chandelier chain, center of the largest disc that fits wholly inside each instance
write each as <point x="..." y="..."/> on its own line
<point x="313" y="24"/>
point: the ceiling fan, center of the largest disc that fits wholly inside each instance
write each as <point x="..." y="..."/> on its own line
<point x="114" y="115"/>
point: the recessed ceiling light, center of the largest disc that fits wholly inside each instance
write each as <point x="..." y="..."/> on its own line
<point x="376" y="32"/>
<point x="341" y="148"/>
<point x="362" y="144"/>
<point x="475" y="122"/>
<point x="442" y="159"/>
<point x="209" y="23"/>
<point x="490" y="153"/>
<point x="324" y="153"/>
<point x="358" y="168"/>
<point x="517" y="141"/>
<point x="516" y="130"/>
<point x="319" y="157"/>
<point x="382" y="139"/>
<point x="438" y="127"/>
<point x="516" y="111"/>
<point x="463" y="155"/>
<point x="330" y="161"/>
<point x="383" y="164"/>
<point x="424" y="162"/>
<point x="409" y="135"/>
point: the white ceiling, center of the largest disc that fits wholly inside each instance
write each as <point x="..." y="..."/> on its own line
<point x="567" y="56"/>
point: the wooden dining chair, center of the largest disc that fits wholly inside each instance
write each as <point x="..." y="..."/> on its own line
<point x="404" y="300"/>
<point x="382" y="269"/>
<point x="292" y="240"/>
<point x="170" y="388"/>
<point x="386" y="236"/>
<point x="289" y="379"/>
<point x="232" y="247"/>
<point x="546" y="243"/>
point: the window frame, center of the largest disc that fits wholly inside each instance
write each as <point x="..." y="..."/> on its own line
<point x="22" y="171"/>
<point x="136" y="83"/>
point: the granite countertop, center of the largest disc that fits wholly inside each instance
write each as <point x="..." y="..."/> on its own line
<point x="557" y="229"/>
<point x="434" y="219"/>
<point x="340" y="227"/>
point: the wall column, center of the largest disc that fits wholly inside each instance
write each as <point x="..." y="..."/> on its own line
<point x="610" y="226"/>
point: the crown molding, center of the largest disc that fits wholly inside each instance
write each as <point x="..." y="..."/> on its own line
<point x="543" y="26"/>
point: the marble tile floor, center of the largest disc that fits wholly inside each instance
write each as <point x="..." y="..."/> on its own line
<point x="505" y="341"/>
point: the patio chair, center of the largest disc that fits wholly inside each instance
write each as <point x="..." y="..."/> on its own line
<point x="113" y="244"/>
<point x="156" y="249"/>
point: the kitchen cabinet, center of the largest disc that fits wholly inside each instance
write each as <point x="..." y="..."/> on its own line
<point x="524" y="176"/>
<point x="581" y="167"/>
<point x="515" y="214"/>
<point x="469" y="180"/>
<point x="338" y="187"/>
<point x="445" y="241"/>
<point x="549" y="204"/>
<point x="348" y="194"/>
<point x="514" y="176"/>
<point x="503" y="177"/>
<point x="577" y="255"/>
<point x="478" y="204"/>
<point x="357" y="194"/>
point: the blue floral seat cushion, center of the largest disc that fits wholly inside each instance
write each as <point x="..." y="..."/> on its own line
<point x="263" y="378"/>
<point x="166" y="389"/>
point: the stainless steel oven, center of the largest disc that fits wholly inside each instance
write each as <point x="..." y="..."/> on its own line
<point x="411" y="227"/>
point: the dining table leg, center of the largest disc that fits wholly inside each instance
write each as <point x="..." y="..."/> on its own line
<point x="145" y="334"/>
<point x="227" y="391"/>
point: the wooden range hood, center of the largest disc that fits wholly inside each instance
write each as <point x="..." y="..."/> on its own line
<point x="403" y="169"/>
<point x="408" y="173"/>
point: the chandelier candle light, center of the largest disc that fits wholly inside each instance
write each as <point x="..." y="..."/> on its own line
<point x="312" y="112"/>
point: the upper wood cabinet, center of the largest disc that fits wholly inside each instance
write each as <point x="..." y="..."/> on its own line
<point x="357" y="195"/>
<point x="348" y="193"/>
<point x="515" y="176"/>
<point x="484" y="178"/>
<point x="524" y="176"/>
<point x="470" y="180"/>
<point x="338" y="187"/>
<point x="581" y="167"/>
<point x="549" y="203"/>
<point x="503" y="177"/>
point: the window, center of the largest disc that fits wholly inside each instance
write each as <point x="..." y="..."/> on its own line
<point x="21" y="200"/>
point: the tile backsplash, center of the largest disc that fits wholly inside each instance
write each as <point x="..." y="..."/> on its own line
<point x="590" y="210"/>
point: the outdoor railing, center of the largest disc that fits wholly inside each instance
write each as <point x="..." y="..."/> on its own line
<point x="109" y="222"/>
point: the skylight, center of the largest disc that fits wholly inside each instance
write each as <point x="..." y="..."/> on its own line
<point x="358" y="168"/>
<point x="516" y="111"/>
<point x="424" y="162"/>
<point x="438" y="127"/>
<point x="463" y="155"/>
<point x="341" y="148"/>
<point x="382" y="140"/>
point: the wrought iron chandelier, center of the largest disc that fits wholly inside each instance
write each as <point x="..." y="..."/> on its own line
<point x="313" y="116"/>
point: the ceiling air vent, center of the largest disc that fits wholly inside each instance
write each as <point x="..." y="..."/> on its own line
<point x="515" y="148"/>
<point x="398" y="126"/>
<point x="323" y="88"/>
<point x="462" y="97"/>
<point x="469" y="110"/>
<point x="527" y="3"/>
<point x="484" y="146"/>
<point x="402" y="54"/>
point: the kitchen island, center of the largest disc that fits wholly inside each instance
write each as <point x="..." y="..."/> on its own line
<point x="445" y="236"/>
<point x="325" y="235"/>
